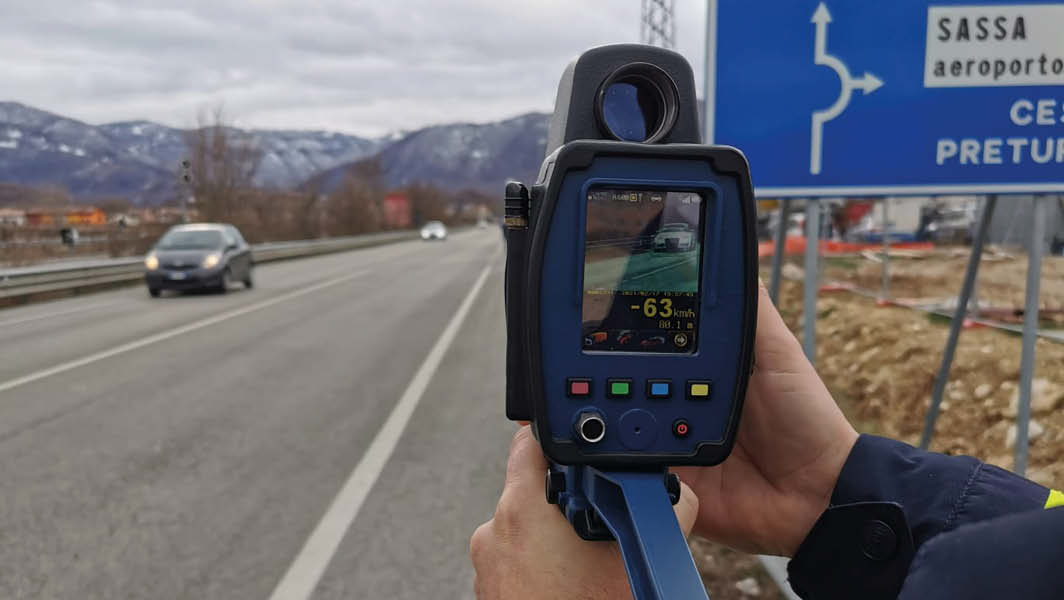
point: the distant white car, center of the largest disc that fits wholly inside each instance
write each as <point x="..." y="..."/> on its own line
<point x="434" y="230"/>
<point x="674" y="237"/>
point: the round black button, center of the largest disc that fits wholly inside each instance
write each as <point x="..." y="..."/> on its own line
<point x="680" y="428"/>
<point x="878" y="540"/>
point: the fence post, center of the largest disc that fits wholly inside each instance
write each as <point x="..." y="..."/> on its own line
<point x="779" y="250"/>
<point x="812" y="277"/>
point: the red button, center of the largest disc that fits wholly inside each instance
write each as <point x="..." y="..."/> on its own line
<point x="680" y="428"/>
<point x="579" y="387"/>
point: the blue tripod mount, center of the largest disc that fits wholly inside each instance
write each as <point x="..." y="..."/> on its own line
<point x="634" y="508"/>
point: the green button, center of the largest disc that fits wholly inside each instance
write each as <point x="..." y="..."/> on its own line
<point x="619" y="388"/>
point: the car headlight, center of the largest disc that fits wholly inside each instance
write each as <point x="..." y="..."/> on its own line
<point x="151" y="262"/>
<point x="211" y="260"/>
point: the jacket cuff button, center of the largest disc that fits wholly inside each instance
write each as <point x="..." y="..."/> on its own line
<point x="879" y="542"/>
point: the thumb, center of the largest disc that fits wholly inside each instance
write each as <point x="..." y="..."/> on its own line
<point x="686" y="509"/>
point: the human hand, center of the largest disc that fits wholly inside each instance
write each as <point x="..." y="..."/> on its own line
<point x="530" y="551"/>
<point x="792" y="443"/>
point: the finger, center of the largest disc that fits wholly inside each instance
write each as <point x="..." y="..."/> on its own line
<point x="686" y="509"/>
<point x="775" y="347"/>
<point x="480" y="543"/>
<point x="527" y="467"/>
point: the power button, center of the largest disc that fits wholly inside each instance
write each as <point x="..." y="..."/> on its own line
<point x="680" y="428"/>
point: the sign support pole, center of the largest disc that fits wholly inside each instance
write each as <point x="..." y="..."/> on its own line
<point x="779" y="250"/>
<point x="812" y="277"/>
<point x="957" y="322"/>
<point x="1030" y="329"/>
<point x="973" y="304"/>
<point x="884" y="292"/>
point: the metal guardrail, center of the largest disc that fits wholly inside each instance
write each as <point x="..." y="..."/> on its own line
<point x="632" y="242"/>
<point x="53" y="241"/>
<point x="78" y="276"/>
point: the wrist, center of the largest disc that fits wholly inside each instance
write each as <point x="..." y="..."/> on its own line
<point x="816" y="488"/>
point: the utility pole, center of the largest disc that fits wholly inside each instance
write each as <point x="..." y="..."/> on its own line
<point x="658" y="25"/>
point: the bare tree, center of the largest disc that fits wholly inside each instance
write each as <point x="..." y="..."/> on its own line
<point x="309" y="210"/>
<point x="429" y="203"/>
<point x="222" y="162"/>
<point x="357" y="206"/>
<point x="45" y="195"/>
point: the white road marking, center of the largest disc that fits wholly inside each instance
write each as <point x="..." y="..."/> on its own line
<point x="165" y="335"/>
<point x="58" y="313"/>
<point x="309" y="565"/>
<point x="777" y="570"/>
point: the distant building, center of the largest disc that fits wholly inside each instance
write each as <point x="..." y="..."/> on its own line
<point x="124" y="219"/>
<point x="398" y="213"/>
<point x="72" y="215"/>
<point x="12" y="216"/>
<point x="85" y="216"/>
<point x="1012" y="224"/>
<point x="40" y="218"/>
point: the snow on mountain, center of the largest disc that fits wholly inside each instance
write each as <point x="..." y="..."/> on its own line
<point x="139" y="159"/>
<point x="463" y="155"/>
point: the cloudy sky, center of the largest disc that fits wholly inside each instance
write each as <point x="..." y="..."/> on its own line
<point x="360" y="66"/>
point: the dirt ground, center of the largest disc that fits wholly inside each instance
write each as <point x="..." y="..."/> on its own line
<point x="731" y="575"/>
<point x="936" y="277"/>
<point x="880" y="364"/>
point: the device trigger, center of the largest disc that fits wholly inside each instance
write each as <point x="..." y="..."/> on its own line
<point x="554" y="485"/>
<point x="672" y="486"/>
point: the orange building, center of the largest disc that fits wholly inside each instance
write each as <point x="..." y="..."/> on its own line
<point x="85" y="216"/>
<point x="73" y="215"/>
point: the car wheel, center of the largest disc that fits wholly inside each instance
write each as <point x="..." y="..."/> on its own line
<point x="227" y="280"/>
<point x="249" y="282"/>
<point x="154" y="292"/>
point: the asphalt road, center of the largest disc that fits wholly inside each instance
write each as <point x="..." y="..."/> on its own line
<point x="189" y="447"/>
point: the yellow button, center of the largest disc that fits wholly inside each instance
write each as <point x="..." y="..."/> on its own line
<point x="699" y="389"/>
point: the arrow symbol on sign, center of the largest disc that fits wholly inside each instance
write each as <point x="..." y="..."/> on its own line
<point x="867" y="84"/>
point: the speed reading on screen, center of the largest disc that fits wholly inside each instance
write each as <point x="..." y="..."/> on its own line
<point x="642" y="259"/>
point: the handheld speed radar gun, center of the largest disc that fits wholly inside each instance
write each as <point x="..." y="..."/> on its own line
<point x="631" y="298"/>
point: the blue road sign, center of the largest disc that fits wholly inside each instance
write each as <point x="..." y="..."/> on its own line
<point x="852" y="97"/>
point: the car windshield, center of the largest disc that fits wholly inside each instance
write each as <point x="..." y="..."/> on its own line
<point x="190" y="239"/>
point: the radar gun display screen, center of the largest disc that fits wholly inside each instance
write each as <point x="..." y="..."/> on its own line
<point x="642" y="256"/>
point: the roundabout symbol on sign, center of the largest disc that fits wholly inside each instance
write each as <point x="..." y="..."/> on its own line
<point x="867" y="84"/>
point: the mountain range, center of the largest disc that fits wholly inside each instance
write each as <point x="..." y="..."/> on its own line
<point x="138" y="160"/>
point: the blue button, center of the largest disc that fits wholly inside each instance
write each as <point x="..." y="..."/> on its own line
<point x="660" y="388"/>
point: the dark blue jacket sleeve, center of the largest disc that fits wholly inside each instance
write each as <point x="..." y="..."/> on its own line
<point x="1014" y="556"/>
<point x="889" y="501"/>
